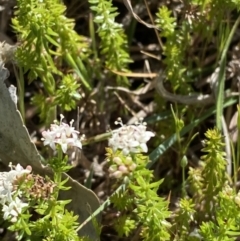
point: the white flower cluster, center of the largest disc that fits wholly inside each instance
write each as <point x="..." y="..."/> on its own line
<point x="11" y="204"/>
<point x="130" y="139"/>
<point x="63" y="135"/>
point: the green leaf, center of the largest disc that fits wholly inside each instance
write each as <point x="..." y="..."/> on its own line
<point x="221" y="84"/>
<point x="52" y="41"/>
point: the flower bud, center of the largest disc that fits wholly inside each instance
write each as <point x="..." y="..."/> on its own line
<point x="132" y="167"/>
<point x="237" y="200"/>
<point x="128" y="161"/>
<point x="112" y="168"/>
<point x="117" y="174"/>
<point x="123" y="169"/>
<point x="117" y="160"/>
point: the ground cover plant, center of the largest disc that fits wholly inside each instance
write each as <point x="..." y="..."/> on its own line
<point x="119" y="120"/>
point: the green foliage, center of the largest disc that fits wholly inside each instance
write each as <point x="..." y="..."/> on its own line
<point x="44" y="216"/>
<point x="44" y="105"/>
<point x="213" y="173"/>
<point x="166" y="22"/>
<point x="113" y="40"/>
<point x="141" y="203"/>
<point x="125" y="225"/>
<point x="61" y="226"/>
<point x="226" y="224"/>
<point x="210" y="212"/>
<point x="184" y="218"/>
<point x="174" y="47"/>
<point x="49" y="45"/>
<point x="236" y="3"/>
<point x="218" y="218"/>
<point x="46" y="34"/>
<point x="199" y="20"/>
<point x="48" y="41"/>
<point x="52" y="221"/>
<point x="67" y="93"/>
<point x="210" y="207"/>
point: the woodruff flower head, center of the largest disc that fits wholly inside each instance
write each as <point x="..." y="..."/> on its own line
<point x="63" y="134"/>
<point x="131" y="138"/>
<point x="11" y="204"/>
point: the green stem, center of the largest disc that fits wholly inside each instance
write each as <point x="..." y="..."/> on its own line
<point x="97" y="138"/>
<point x="183" y="182"/>
<point x="57" y="173"/>
<point x="21" y="90"/>
<point x="122" y="188"/>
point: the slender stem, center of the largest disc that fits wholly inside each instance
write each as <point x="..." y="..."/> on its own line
<point x="57" y="173"/>
<point x="97" y="138"/>
<point x="183" y="182"/>
<point x="102" y="207"/>
<point x="60" y="157"/>
<point x="21" y="90"/>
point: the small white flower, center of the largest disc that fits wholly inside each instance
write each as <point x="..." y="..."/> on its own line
<point x="5" y="195"/>
<point x="8" y="211"/>
<point x="7" y="180"/>
<point x="144" y="147"/>
<point x="130" y="139"/>
<point x="49" y="139"/>
<point x="63" y="134"/>
<point x="11" y="206"/>
<point x="13" y="209"/>
<point x="19" y="205"/>
<point x="18" y="171"/>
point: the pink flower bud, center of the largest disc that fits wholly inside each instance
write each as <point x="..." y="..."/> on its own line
<point x="123" y="169"/>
